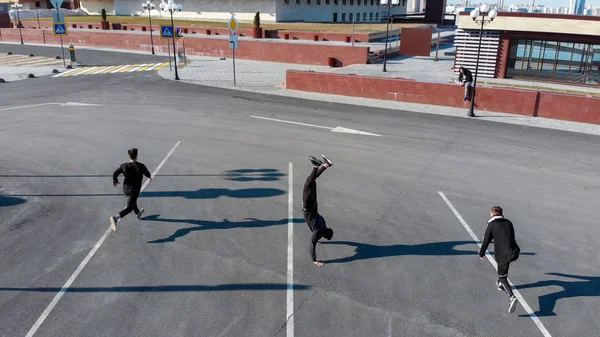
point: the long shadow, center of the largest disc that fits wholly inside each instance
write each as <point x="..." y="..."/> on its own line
<point x="365" y="251"/>
<point x="10" y="201"/>
<point x="208" y="225"/>
<point x="234" y="175"/>
<point x="589" y="286"/>
<point x="207" y="193"/>
<point x="166" y="288"/>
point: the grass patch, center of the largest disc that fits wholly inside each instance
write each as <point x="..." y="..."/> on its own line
<point x="304" y="27"/>
<point x="542" y="88"/>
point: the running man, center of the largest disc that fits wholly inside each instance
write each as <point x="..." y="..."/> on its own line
<point x="314" y="220"/>
<point x="134" y="173"/>
<point x="506" y="250"/>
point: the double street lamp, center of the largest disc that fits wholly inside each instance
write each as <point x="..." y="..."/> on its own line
<point x="16" y="6"/>
<point x="149" y="6"/>
<point x="389" y="4"/>
<point x="172" y="7"/>
<point x="479" y="16"/>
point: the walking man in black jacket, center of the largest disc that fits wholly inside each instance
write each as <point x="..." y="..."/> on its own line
<point x="506" y="250"/>
<point x="314" y="220"/>
<point x="465" y="78"/>
<point x="134" y="173"/>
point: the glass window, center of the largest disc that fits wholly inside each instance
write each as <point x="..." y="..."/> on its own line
<point x="357" y="17"/>
<point x="344" y="2"/>
<point x="308" y="2"/>
<point x="376" y="16"/>
<point x="371" y="16"/>
<point x="554" y="61"/>
<point x="343" y="17"/>
<point x="365" y="17"/>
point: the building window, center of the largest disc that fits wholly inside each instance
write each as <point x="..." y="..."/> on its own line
<point x="335" y="2"/>
<point x="343" y="17"/>
<point x="365" y="17"/>
<point x="351" y="17"/>
<point x="344" y="3"/>
<point x="351" y="2"/>
<point x="327" y="2"/>
<point x="37" y="4"/>
<point x="297" y="2"/>
<point x="358" y="2"/>
<point x="404" y="3"/>
<point x="377" y="17"/>
<point x="318" y="2"/>
<point x="372" y="3"/>
<point x="357" y="17"/>
<point x="308" y="2"/>
<point x="554" y="61"/>
<point x="287" y="2"/>
<point x="371" y="16"/>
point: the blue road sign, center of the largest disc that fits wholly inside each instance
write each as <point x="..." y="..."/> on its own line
<point x="60" y="29"/>
<point x="179" y="33"/>
<point x="166" y="32"/>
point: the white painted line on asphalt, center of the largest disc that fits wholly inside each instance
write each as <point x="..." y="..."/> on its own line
<point x="138" y="67"/>
<point x="66" y="72"/>
<point x="154" y="66"/>
<point x="83" y="263"/>
<point x="290" y="122"/>
<point x="119" y="69"/>
<point x="26" y="106"/>
<point x="526" y="306"/>
<point x="337" y="129"/>
<point x="101" y="69"/>
<point x="87" y="72"/>
<point x="290" y="256"/>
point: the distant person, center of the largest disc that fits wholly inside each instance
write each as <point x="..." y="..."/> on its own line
<point x="465" y="78"/>
<point x="506" y="250"/>
<point x="314" y="220"/>
<point x="134" y="173"/>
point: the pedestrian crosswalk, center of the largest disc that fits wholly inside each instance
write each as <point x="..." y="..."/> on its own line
<point x="29" y="61"/>
<point x="128" y="68"/>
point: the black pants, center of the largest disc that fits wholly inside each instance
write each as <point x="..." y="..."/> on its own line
<point x="503" y="278"/>
<point x="132" y="198"/>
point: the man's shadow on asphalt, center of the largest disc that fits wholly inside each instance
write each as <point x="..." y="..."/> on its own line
<point x="214" y="193"/>
<point x="365" y="251"/>
<point x="208" y="225"/>
<point x="588" y="286"/>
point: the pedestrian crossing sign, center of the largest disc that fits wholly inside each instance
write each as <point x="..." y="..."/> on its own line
<point x="60" y="29"/>
<point x="166" y="32"/>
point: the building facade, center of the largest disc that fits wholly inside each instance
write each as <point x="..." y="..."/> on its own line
<point x="270" y="10"/>
<point x="543" y="47"/>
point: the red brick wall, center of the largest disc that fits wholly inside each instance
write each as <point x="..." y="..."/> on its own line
<point x="515" y="101"/>
<point x="566" y="107"/>
<point x="263" y="50"/>
<point x="402" y="90"/>
<point x="416" y="41"/>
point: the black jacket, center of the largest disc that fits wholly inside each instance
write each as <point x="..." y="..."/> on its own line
<point x="134" y="173"/>
<point x="467" y="77"/>
<point x="505" y="247"/>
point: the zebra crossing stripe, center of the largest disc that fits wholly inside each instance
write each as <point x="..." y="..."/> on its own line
<point x="162" y="66"/>
<point x="14" y="57"/>
<point x="119" y="69"/>
<point x="99" y="70"/>
<point x="128" y="68"/>
<point x="109" y="69"/>
<point x="137" y="68"/>
<point x="88" y="71"/>
<point x="146" y="67"/>
<point x="78" y="71"/>
<point x="65" y="73"/>
<point x="154" y="66"/>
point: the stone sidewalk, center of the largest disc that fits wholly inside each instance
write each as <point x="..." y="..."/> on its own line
<point x="269" y="78"/>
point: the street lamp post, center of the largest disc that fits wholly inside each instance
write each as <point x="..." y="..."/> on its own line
<point x="389" y="5"/>
<point x="148" y="5"/>
<point x="17" y="6"/>
<point x="478" y="15"/>
<point x="171" y="6"/>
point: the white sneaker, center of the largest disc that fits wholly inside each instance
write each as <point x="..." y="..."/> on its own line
<point x="139" y="215"/>
<point x="500" y="286"/>
<point x="113" y="223"/>
<point x="512" y="304"/>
